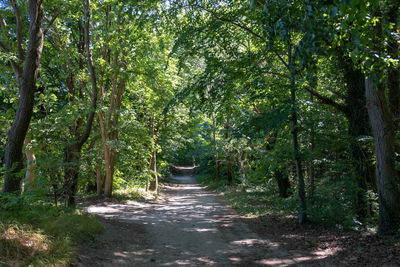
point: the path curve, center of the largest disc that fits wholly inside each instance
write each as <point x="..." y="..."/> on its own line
<point x="190" y="227"/>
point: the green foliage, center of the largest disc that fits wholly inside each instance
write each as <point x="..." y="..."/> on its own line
<point x="192" y="70"/>
<point x="333" y="202"/>
<point x="253" y="200"/>
<point x="134" y="192"/>
<point x="35" y="233"/>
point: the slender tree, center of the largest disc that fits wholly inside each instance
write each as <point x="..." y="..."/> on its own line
<point x="26" y="76"/>
<point x="72" y="152"/>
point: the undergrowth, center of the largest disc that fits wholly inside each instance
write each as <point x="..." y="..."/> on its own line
<point x="252" y="200"/>
<point x="40" y="234"/>
<point x="330" y="206"/>
<point x="136" y="193"/>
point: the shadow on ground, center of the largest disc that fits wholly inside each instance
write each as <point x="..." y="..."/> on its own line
<point x="191" y="227"/>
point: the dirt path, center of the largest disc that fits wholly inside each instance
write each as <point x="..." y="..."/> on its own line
<point x="189" y="227"/>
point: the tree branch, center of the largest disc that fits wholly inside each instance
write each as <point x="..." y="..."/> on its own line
<point x="50" y="22"/>
<point x="18" y="30"/>
<point x="247" y="29"/>
<point x="92" y="73"/>
<point x="326" y="100"/>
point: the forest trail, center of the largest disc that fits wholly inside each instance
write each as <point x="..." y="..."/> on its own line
<point x="188" y="226"/>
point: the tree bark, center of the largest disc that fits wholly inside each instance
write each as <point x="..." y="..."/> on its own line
<point x="27" y="85"/>
<point x="296" y="149"/>
<point x="107" y="157"/>
<point x="358" y="126"/>
<point x="72" y="157"/>
<point x="153" y="168"/>
<point x="242" y="170"/>
<point x="311" y="170"/>
<point x="215" y="147"/>
<point x="394" y="72"/>
<point x="153" y="184"/>
<point x="386" y="175"/>
<point x="109" y="120"/>
<point x="73" y="151"/>
<point x="227" y="150"/>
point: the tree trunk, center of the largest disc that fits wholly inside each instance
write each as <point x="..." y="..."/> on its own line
<point x="311" y="170"/>
<point x="107" y="156"/>
<point x="394" y="72"/>
<point x="358" y="126"/>
<point x="215" y="147"/>
<point x="241" y="167"/>
<point x="296" y="149"/>
<point x="153" y="184"/>
<point x="109" y="175"/>
<point x="153" y="168"/>
<point x="386" y="175"/>
<point x="73" y="151"/>
<point x="227" y="150"/>
<point x="72" y="157"/>
<point x="27" y="85"/>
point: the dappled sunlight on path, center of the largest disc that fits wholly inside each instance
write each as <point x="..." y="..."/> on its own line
<point x="191" y="227"/>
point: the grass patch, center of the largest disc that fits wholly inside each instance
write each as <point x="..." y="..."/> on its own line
<point x="136" y="193"/>
<point x="253" y="200"/>
<point x="40" y="234"/>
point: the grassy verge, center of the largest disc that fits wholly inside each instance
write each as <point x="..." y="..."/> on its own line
<point x="136" y="193"/>
<point x="39" y="234"/>
<point x="252" y="200"/>
<point x="257" y="200"/>
<point x="121" y="195"/>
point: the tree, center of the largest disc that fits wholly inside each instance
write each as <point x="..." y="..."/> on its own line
<point x="26" y="76"/>
<point x="73" y="151"/>
<point x="384" y="115"/>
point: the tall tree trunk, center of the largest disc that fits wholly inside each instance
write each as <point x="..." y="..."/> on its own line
<point x="394" y="72"/>
<point x="109" y="174"/>
<point x="227" y="150"/>
<point x="153" y="184"/>
<point x="296" y="149"/>
<point x="108" y="121"/>
<point x="311" y="170"/>
<point x="107" y="156"/>
<point x="241" y="167"/>
<point x="153" y="168"/>
<point x="71" y="173"/>
<point x="73" y="151"/>
<point x="27" y="85"/>
<point x="215" y="147"/>
<point x="386" y="175"/>
<point x="358" y="126"/>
